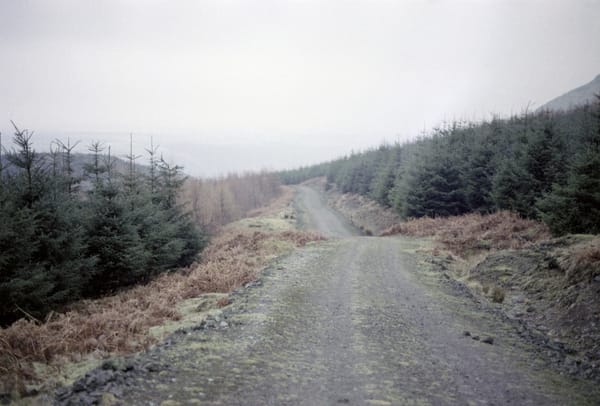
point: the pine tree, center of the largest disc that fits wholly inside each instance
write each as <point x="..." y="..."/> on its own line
<point x="95" y="169"/>
<point x="114" y="241"/>
<point x="575" y="206"/>
<point x="56" y="246"/>
<point x="23" y="282"/>
<point x="435" y="188"/>
<point x="544" y="159"/>
<point x="186" y="239"/>
<point x="42" y="261"/>
<point x="511" y="189"/>
<point x="479" y="179"/>
<point x="70" y="181"/>
<point x="31" y="169"/>
<point x="383" y="181"/>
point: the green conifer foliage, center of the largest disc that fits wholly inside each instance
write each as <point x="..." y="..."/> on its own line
<point x="540" y="165"/>
<point x="575" y="206"/>
<point x="59" y="244"/>
<point x="435" y="189"/>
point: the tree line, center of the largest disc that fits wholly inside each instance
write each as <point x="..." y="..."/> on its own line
<point x="543" y="165"/>
<point x="68" y="234"/>
<point x="219" y="201"/>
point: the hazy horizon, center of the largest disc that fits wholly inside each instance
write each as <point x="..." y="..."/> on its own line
<point x="231" y="85"/>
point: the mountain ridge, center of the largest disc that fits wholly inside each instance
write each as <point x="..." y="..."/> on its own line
<point x="575" y="97"/>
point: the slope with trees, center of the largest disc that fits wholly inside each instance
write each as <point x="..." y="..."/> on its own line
<point x="543" y="165"/>
<point x="60" y="242"/>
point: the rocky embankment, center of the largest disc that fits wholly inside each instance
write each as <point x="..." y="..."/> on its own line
<point x="553" y="290"/>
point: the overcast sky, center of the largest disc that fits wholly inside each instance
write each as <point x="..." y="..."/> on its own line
<point x="229" y="85"/>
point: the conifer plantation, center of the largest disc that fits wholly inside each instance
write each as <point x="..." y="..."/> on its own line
<point x="543" y="166"/>
<point x="68" y="234"/>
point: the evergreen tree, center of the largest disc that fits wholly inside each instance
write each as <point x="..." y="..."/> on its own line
<point x="23" y="282"/>
<point x="114" y="241"/>
<point x="185" y="239"/>
<point x="511" y="189"/>
<point x="435" y="188"/>
<point x="479" y="179"/>
<point x="544" y="159"/>
<point x="56" y="246"/>
<point x="42" y="261"/>
<point x="95" y="169"/>
<point x="31" y="175"/>
<point x="383" y="180"/>
<point x="575" y="206"/>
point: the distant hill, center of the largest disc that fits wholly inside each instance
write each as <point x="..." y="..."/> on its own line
<point x="575" y="97"/>
<point x="78" y="163"/>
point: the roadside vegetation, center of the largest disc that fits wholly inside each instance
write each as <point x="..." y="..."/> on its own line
<point x="67" y="235"/>
<point x="544" y="166"/>
<point x="102" y="256"/>
<point x="35" y="354"/>
<point x="473" y="233"/>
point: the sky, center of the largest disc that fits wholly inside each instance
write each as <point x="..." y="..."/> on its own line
<point x="234" y="85"/>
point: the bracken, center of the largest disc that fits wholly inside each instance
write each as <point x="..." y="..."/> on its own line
<point x="119" y="324"/>
<point x="473" y="232"/>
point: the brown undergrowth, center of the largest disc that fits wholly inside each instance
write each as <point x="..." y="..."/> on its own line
<point x="120" y="324"/>
<point x="467" y="234"/>
<point x="279" y="204"/>
<point x="583" y="263"/>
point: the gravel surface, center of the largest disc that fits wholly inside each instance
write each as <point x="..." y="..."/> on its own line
<point x="354" y="320"/>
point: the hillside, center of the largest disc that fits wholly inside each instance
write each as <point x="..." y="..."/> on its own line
<point x="576" y="97"/>
<point x="543" y="166"/>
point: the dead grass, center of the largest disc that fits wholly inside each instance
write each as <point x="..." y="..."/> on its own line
<point x="120" y="324"/>
<point x="470" y="233"/>
<point x="278" y="204"/>
<point x="497" y="294"/>
<point x="581" y="262"/>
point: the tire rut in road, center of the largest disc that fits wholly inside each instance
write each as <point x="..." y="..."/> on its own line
<point x="315" y="215"/>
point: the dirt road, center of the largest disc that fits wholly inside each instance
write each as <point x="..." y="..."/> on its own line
<point x="354" y="320"/>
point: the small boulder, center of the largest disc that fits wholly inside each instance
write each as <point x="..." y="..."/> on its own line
<point x="488" y="340"/>
<point x="152" y="367"/>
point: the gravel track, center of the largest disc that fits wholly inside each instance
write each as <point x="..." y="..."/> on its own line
<point x="353" y="320"/>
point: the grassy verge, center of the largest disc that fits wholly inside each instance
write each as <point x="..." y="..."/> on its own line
<point x="39" y="355"/>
